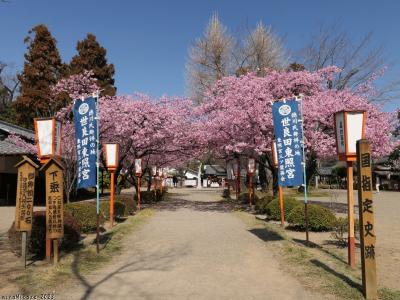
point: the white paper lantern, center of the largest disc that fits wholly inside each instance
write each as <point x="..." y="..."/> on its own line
<point x="349" y="128"/>
<point x="48" y="137"/>
<point x="111" y="154"/>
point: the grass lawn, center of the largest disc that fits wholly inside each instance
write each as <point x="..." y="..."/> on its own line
<point x="82" y="261"/>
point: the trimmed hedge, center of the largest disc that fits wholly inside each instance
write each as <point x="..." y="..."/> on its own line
<point x="148" y="197"/>
<point x="37" y="240"/>
<point x="85" y="214"/>
<point x="262" y="203"/>
<point x="244" y="198"/>
<point x="320" y="218"/>
<point x="119" y="209"/>
<point x="130" y="204"/>
<point x="273" y="210"/>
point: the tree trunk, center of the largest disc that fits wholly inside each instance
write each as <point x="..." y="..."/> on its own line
<point x="149" y="181"/>
<point x="311" y="167"/>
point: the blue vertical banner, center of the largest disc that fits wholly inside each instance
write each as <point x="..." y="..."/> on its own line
<point x="85" y="132"/>
<point x="288" y="136"/>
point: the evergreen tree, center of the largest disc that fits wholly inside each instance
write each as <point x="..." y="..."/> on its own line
<point x="92" y="56"/>
<point x="42" y="68"/>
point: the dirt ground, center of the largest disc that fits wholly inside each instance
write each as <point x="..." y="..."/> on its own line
<point x="193" y="248"/>
<point x="387" y="226"/>
<point x="11" y="265"/>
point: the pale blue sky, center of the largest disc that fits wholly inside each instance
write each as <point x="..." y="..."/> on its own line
<point x="147" y="41"/>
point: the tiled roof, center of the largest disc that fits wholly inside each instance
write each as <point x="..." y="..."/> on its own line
<point x="11" y="128"/>
<point x="214" y="170"/>
<point x="8" y="148"/>
<point x="325" y="171"/>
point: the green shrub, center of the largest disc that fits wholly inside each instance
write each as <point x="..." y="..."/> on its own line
<point x="226" y="194"/>
<point x="85" y="214"/>
<point x="262" y="203"/>
<point x="148" y="197"/>
<point x="130" y="204"/>
<point x="273" y="210"/>
<point x="340" y="229"/>
<point x="119" y="209"/>
<point x="244" y="198"/>
<point x="37" y="239"/>
<point x="319" y="218"/>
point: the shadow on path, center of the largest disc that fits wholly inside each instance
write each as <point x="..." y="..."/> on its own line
<point x="266" y="235"/>
<point x="341" y="276"/>
<point x="178" y="201"/>
<point x="340" y="208"/>
<point x="160" y="260"/>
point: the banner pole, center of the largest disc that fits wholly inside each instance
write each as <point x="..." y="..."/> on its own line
<point x="304" y="170"/>
<point x="97" y="174"/>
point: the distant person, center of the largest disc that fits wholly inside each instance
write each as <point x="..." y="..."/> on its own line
<point x="175" y="181"/>
<point x="377" y="184"/>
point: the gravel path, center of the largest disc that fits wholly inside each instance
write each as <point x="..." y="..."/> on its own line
<point x="200" y="251"/>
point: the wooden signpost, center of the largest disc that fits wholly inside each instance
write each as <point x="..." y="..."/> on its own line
<point x="54" y="205"/>
<point x="24" y="200"/>
<point x="366" y="211"/>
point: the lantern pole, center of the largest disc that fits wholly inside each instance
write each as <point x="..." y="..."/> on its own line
<point x="350" y="203"/>
<point x="155" y="181"/>
<point x="250" y="187"/>
<point x="250" y="170"/>
<point x="138" y="173"/>
<point x="96" y="96"/>
<point x="347" y="153"/>
<point x="112" y="172"/>
<point x="304" y="168"/>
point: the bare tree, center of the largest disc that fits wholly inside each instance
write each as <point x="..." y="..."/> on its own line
<point x="209" y="58"/>
<point x="8" y="85"/>
<point x="360" y="61"/>
<point x="260" y="50"/>
<point x="218" y="54"/>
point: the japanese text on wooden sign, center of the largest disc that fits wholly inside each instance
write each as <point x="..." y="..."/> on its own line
<point x="288" y="142"/>
<point x="24" y="200"/>
<point x="86" y="131"/>
<point x="54" y="202"/>
<point x="366" y="211"/>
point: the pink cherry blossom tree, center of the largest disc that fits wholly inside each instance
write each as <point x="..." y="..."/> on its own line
<point x="158" y="131"/>
<point x="237" y="118"/>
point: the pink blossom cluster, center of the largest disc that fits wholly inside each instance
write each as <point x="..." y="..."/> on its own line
<point x="77" y="86"/>
<point x="235" y="119"/>
<point x="237" y="116"/>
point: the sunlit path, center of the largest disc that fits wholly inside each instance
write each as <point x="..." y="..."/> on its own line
<point x="191" y="253"/>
